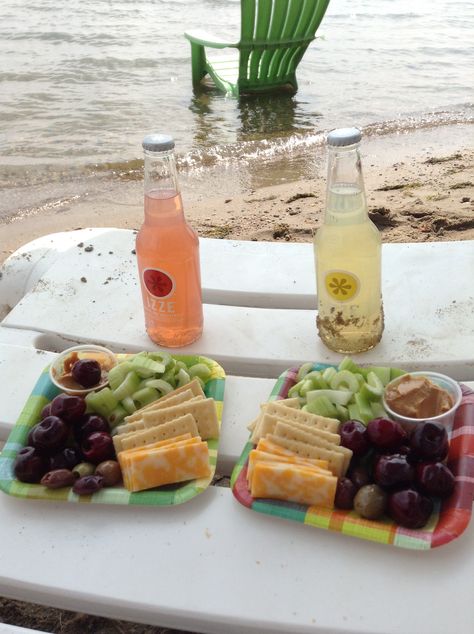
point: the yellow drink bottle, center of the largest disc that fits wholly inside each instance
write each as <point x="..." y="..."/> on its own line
<point x="348" y="254"/>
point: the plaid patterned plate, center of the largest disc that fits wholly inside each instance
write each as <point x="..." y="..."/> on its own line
<point x="44" y="391"/>
<point x="448" y="520"/>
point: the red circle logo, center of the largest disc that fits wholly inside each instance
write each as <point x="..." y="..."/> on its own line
<point x="158" y="283"/>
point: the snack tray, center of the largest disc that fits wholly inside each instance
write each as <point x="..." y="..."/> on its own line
<point x="44" y="391"/>
<point x="448" y="520"/>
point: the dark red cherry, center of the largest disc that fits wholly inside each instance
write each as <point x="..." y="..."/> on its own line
<point x="354" y="436"/>
<point x="430" y="441"/>
<point x="386" y="434"/>
<point x="393" y="471"/>
<point x="435" y="478"/>
<point x="30" y="465"/>
<point x="409" y="508"/>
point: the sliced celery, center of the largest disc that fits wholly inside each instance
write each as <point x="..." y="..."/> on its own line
<point x="364" y="407"/>
<point x="183" y="377"/>
<point x="348" y="364"/>
<point x="395" y="373"/>
<point x="117" y="374"/>
<point x="371" y="393"/>
<point x="146" y="367"/>
<point x="303" y="371"/>
<point x="341" y="397"/>
<point x="162" y="386"/>
<point x="201" y="370"/>
<point x="129" y="405"/>
<point x="117" y="415"/>
<point x="342" y="413"/>
<point x="322" y="406"/>
<point x="102" y="402"/>
<point x="128" y="386"/>
<point x="305" y="386"/>
<point x="328" y="374"/>
<point x="344" y="380"/>
<point x="294" y="391"/>
<point x="354" y="412"/>
<point x="378" y="410"/>
<point x="146" y="395"/>
<point x="382" y="373"/>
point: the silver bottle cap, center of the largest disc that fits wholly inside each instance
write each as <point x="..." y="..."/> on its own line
<point x="158" y="143"/>
<point x="344" y="136"/>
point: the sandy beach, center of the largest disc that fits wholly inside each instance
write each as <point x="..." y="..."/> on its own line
<point x="420" y="187"/>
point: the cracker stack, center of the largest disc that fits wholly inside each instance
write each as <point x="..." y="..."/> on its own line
<point x="298" y="455"/>
<point x="163" y="443"/>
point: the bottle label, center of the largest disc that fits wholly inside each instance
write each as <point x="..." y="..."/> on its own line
<point x="341" y="286"/>
<point x="158" y="283"/>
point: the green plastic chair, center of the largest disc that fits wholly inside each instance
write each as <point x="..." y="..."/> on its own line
<point x="274" y="37"/>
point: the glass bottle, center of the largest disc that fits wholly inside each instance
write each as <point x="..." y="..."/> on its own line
<point x="348" y="254"/>
<point x="168" y="253"/>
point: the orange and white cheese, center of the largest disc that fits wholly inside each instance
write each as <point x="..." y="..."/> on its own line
<point x="167" y="463"/>
<point x="294" y="483"/>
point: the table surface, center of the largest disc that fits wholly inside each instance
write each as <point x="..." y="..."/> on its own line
<point x="212" y="565"/>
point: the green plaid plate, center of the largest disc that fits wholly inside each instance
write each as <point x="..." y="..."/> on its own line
<point x="44" y="391"/>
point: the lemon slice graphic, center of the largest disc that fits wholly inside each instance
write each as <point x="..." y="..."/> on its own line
<point x="341" y="285"/>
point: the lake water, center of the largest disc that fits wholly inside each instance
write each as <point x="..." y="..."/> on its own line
<point x="82" y="81"/>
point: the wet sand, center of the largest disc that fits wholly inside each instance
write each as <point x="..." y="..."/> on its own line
<point x="420" y="187"/>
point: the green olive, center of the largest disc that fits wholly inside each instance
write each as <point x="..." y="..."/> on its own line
<point x="370" y="501"/>
<point x="83" y="469"/>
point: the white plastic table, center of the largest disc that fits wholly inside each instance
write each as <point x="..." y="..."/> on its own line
<point x="211" y="565"/>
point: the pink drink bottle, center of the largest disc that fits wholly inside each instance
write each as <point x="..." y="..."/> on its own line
<point x="168" y="253"/>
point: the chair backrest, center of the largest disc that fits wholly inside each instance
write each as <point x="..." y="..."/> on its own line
<point x="274" y="36"/>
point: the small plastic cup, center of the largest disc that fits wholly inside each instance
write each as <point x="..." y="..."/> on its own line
<point x="104" y="356"/>
<point x="441" y="380"/>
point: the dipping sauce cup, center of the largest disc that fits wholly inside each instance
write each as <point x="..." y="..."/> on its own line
<point x="60" y="369"/>
<point x="442" y="381"/>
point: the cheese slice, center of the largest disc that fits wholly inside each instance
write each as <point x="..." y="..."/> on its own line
<point x="262" y="456"/>
<point x="293" y="483"/>
<point x="123" y="456"/>
<point x="151" y="468"/>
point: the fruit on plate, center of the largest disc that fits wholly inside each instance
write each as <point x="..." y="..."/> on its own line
<point x="30" y="465"/>
<point x="435" y="478"/>
<point x="58" y="478"/>
<point x="409" y="508"/>
<point x="88" y="424"/>
<point x="68" y="407"/>
<point x="68" y="458"/>
<point x="354" y="436"/>
<point x="49" y="435"/>
<point x="87" y="485"/>
<point x="87" y="372"/>
<point x="393" y="470"/>
<point x="345" y="493"/>
<point x="110" y="472"/>
<point x="98" y="447"/>
<point x="370" y="501"/>
<point x="386" y="434"/>
<point x="360" y="475"/>
<point x="429" y="441"/>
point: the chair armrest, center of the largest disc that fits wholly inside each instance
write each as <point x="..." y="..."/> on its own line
<point x="208" y="39"/>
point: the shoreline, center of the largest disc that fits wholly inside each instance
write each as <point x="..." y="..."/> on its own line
<point x="420" y="187"/>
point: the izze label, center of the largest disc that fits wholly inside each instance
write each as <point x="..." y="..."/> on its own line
<point x="158" y="283"/>
<point x="341" y="285"/>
